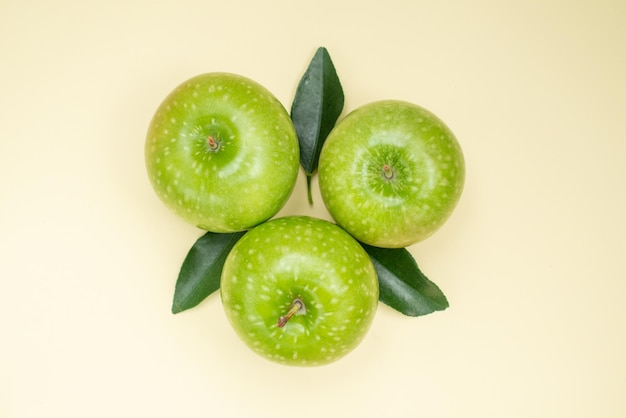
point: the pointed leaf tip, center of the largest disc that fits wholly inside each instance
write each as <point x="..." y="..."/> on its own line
<point x="201" y="270"/>
<point x="402" y="285"/>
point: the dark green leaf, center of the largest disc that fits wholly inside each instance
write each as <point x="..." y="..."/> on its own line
<point x="316" y="107"/>
<point x="200" y="273"/>
<point x="402" y="285"/>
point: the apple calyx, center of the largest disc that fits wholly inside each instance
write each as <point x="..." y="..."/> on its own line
<point x="296" y="306"/>
<point x="387" y="172"/>
<point x="214" y="144"/>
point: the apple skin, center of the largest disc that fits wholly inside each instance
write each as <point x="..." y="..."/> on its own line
<point x="306" y="258"/>
<point x="221" y="151"/>
<point x="391" y="173"/>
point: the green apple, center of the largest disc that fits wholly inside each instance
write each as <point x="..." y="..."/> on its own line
<point x="221" y="151"/>
<point x="299" y="291"/>
<point x="391" y="173"/>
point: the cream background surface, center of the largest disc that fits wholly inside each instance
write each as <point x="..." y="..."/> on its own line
<point x="532" y="261"/>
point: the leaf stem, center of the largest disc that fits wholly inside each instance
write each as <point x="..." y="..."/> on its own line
<point x="308" y="188"/>
<point x="296" y="306"/>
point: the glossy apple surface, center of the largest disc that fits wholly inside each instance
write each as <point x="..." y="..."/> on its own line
<point x="292" y="260"/>
<point x="222" y="152"/>
<point x="391" y="173"/>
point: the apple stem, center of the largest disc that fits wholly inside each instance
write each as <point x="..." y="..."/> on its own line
<point x="296" y="306"/>
<point x="387" y="172"/>
<point x="213" y="144"/>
